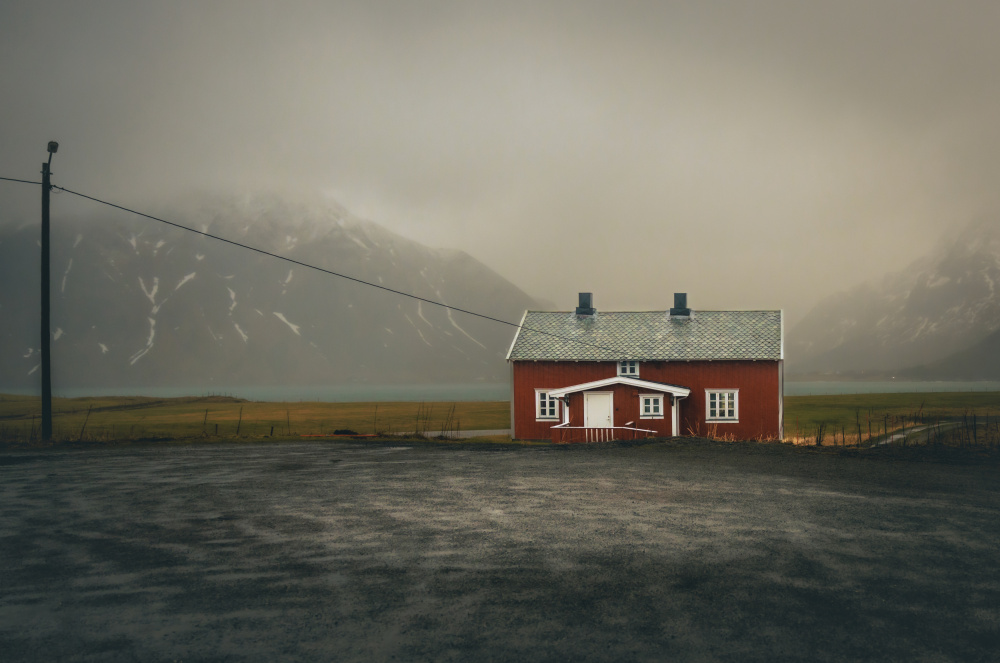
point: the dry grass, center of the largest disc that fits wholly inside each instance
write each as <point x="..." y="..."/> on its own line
<point x="132" y="418"/>
<point x="949" y="419"/>
<point x="844" y="420"/>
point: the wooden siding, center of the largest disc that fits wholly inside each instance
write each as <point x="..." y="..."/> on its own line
<point x="758" y="383"/>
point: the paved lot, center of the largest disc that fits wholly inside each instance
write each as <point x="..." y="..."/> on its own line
<point x="334" y="551"/>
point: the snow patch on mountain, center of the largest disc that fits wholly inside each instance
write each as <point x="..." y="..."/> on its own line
<point x="938" y="281"/>
<point x="420" y="312"/>
<point x="941" y="304"/>
<point x="334" y="328"/>
<point x="467" y="334"/>
<point x="151" y="292"/>
<point x="293" y="327"/>
<point x="149" y="343"/>
<point x="185" y="280"/>
<point x="69" y="266"/>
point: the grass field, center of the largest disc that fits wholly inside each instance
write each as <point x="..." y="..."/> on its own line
<point x="216" y="416"/>
<point x="877" y="414"/>
<point x="125" y="418"/>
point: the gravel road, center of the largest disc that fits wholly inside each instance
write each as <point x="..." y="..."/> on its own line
<point x="339" y="551"/>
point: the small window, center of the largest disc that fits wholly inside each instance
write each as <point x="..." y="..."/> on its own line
<point x="722" y="404"/>
<point x="650" y="406"/>
<point x="628" y="368"/>
<point x="546" y="407"/>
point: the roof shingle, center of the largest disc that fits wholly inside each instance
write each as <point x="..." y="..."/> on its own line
<point x="648" y="336"/>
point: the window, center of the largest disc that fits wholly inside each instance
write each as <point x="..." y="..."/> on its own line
<point x="650" y="406"/>
<point x="628" y="369"/>
<point x="722" y="404"/>
<point x="546" y="407"/>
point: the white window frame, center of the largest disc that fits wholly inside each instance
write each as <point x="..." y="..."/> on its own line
<point x="625" y="369"/>
<point x="726" y="419"/>
<point x="642" y="406"/>
<point x="556" y="406"/>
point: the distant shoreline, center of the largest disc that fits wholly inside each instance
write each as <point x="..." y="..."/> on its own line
<point x="474" y="392"/>
<point x="350" y="393"/>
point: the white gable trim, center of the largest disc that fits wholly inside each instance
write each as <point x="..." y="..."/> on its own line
<point x="781" y="333"/>
<point x="656" y="387"/>
<point x="516" y="334"/>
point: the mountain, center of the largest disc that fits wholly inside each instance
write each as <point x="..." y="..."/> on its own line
<point x="944" y="304"/>
<point x="139" y="303"/>
<point x="980" y="362"/>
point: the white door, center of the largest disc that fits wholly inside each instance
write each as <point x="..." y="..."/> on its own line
<point x="598" y="409"/>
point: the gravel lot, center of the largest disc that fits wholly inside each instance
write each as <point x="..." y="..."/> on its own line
<point x="336" y="551"/>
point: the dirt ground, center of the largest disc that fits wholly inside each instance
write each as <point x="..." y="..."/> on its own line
<point x="340" y="551"/>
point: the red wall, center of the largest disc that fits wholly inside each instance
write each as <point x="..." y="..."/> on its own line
<point x="759" y="383"/>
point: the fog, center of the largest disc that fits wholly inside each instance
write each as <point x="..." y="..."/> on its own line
<point x="754" y="155"/>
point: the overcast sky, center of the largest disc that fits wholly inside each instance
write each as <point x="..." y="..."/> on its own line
<point x="753" y="154"/>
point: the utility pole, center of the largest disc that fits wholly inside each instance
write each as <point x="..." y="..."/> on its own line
<point x="46" y="325"/>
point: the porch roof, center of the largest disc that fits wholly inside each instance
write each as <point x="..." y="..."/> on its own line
<point x="655" y="387"/>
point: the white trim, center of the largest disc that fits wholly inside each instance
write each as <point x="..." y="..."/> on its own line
<point x="781" y="332"/>
<point x="516" y="334"/>
<point x="672" y="389"/>
<point x="513" y="420"/>
<point x="722" y="420"/>
<point x="675" y="415"/>
<point x="658" y="397"/>
<point x="586" y="407"/>
<point x="629" y="375"/>
<point x="781" y="399"/>
<point x="538" y="406"/>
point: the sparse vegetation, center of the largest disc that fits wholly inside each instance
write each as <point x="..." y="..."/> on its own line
<point x="108" y="419"/>
<point x="964" y="420"/>
<point x="867" y="420"/>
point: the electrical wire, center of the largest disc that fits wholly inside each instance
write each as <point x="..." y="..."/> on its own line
<point x="11" y="179"/>
<point x="330" y="272"/>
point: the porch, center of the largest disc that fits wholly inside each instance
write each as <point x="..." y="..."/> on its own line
<point x="608" y="410"/>
<point x="566" y="434"/>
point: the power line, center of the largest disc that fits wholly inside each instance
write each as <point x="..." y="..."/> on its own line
<point x="11" y="179"/>
<point x="327" y="271"/>
<point x="319" y="269"/>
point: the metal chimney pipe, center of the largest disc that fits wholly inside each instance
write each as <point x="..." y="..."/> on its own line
<point x="680" y="305"/>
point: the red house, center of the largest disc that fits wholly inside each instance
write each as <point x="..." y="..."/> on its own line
<point x="589" y="375"/>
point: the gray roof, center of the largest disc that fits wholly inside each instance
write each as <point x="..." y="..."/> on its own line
<point x="648" y="336"/>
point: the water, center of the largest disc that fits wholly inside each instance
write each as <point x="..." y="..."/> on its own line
<point x="475" y="391"/>
<point x="886" y="387"/>
<point x="344" y="393"/>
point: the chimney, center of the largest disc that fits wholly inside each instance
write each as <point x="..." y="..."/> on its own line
<point x="586" y="306"/>
<point x="680" y="305"/>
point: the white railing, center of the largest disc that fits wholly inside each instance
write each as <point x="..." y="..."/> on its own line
<point x="564" y="433"/>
